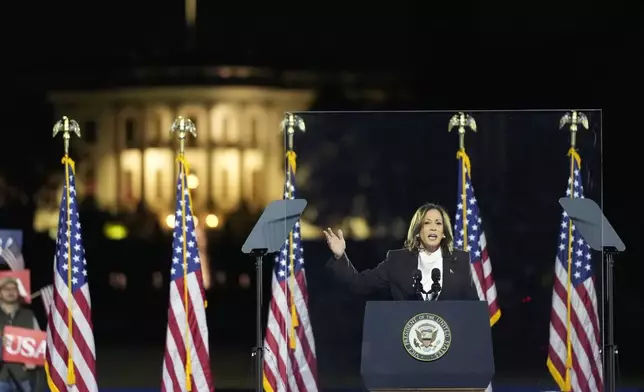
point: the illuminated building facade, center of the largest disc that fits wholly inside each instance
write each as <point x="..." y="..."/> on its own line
<point x="127" y="155"/>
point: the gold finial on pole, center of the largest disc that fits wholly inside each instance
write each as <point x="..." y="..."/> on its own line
<point x="66" y="126"/>
<point x="462" y="121"/>
<point x="290" y="123"/>
<point x="574" y="118"/>
<point x="182" y="127"/>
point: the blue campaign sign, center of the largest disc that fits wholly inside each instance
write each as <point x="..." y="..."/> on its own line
<point x="9" y="236"/>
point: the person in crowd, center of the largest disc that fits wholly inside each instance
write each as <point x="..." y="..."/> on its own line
<point x="15" y="377"/>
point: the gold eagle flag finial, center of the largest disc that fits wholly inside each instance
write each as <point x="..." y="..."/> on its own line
<point x="462" y="121"/>
<point x="575" y="119"/>
<point x="290" y="124"/>
<point x="67" y="126"/>
<point x="182" y="127"/>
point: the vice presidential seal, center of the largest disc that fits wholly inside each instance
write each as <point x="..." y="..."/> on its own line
<point x="426" y="337"/>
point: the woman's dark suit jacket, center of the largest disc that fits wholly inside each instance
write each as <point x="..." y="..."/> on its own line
<point x="395" y="274"/>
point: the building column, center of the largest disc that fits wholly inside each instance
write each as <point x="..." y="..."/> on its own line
<point x="214" y="124"/>
<point x="173" y="163"/>
<point x="205" y="124"/>
<point x="209" y="174"/>
<point x="117" y="158"/>
<point x="241" y="146"/>
<point x="274" y="167"/>
<point x="142" y="125"/>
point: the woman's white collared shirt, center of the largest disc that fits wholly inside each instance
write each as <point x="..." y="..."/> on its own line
<point x="426" y="263"/>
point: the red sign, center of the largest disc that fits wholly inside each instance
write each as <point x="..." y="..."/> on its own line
<point x="23" y="277"/>
<point x="21" y="345"/>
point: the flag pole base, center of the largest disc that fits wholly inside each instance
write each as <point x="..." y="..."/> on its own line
<point x="258" y="350"/>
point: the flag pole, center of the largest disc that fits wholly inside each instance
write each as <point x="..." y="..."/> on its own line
<point x="574" y="119"/>
<point x="289" y="125"/>
<point x="181" y="127"/>
<point x="68" y="126"/>
<point x="463" y="121"/>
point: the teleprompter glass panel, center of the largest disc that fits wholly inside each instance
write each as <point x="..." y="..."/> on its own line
<point x="366" y="173"/>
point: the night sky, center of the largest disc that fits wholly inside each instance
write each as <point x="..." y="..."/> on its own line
<point x="452" y="55"/>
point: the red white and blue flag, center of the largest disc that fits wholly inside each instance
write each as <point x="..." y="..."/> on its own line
<point x="70" y="360"/>
<point x="290" y="364"/>
<point x="574" y="356"/>
<point x="186" y="362"/>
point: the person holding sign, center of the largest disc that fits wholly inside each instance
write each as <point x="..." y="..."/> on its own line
<point x="13" y="314"/>
<point x="427" y="262"/>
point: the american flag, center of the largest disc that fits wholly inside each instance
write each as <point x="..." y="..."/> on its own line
<point x="574" y="357"/>
<point x="186" y="362"/>
<point x="11" y="254"/>
<point x="290" y="364"/>
<point x="70" y="360"/>
<point x="469" y="236"/>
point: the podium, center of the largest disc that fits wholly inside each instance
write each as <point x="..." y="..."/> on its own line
<point x="427" y="346"/>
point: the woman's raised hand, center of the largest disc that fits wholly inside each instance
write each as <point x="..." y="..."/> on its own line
<point x="336" y="242"/>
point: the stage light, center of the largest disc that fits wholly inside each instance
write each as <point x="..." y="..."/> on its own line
<point x="193" y="181"/>
<point x="115" y="231"/>
<point x="220" y="277"/>
<point x="212" y="221"/>
<point x="118" y="280"/>
<point x="244" y="281"/>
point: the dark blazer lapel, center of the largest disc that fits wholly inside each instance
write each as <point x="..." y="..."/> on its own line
<point x="449" y="261"/>
<point x="412" y="262"/>
<point x="408" y="264"/>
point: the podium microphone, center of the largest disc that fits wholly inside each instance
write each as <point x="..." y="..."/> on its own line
<point x="436" y="286"/>
<point x="418" y="285"/>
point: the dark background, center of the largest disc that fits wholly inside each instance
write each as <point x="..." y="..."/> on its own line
<point x="428" y="56"/>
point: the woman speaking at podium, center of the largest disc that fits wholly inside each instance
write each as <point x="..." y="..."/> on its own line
<point x="427" y="257"/>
